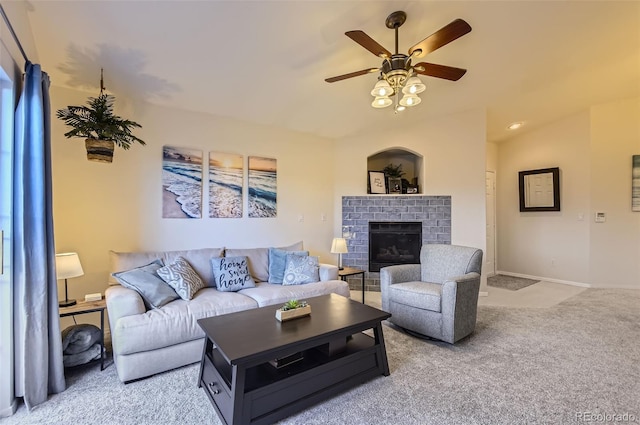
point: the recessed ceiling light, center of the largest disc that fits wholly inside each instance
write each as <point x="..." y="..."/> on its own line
<point x="515" y="125"/>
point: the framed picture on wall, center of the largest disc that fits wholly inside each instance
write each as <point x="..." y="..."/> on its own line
<point x="377" y="182"/>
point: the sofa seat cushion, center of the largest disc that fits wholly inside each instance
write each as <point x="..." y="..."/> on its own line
<point x="270" y="293"/>
<point x="423" y="295"/>
<point x="175" y="322"/>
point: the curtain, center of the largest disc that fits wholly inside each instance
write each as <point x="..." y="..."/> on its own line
<point x="39" y="370"/>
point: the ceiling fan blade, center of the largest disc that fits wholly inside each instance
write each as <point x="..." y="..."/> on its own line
<point x="351" y="75"/>
<point x="368" y="43"/>
<point x="439" y="71"/>
<point x="444" y="35"/>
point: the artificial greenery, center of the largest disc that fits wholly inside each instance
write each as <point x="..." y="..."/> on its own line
<point x="293" y="304"/>
<point x="393" y="171"/>
<point x="97" y="121"/>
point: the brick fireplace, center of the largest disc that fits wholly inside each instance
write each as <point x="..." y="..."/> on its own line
<point x="434" y="212"/>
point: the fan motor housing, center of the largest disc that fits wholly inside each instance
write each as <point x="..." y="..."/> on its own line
<point x="396" y="62"/>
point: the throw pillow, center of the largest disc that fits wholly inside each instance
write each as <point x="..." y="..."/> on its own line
<point x="231" y="273"/>
<point x="181" y="277"/>
<point x="278" y="262"/>
<point x="154" y="291"/>
<point x="301" y="270"/>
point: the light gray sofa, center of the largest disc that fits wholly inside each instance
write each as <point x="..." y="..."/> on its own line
<point x="438" y="297"/>
<point x="146" y="342"/>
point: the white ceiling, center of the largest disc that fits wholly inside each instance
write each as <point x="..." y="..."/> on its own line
<point x="266" y="61"/>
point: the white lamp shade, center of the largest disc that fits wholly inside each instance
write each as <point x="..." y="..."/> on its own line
<point x="68" y="265"/>
<point x="414" y="86"/>
<point x="382" y="89"/>
<point x="381" y="102"/>
<point x="339" y="246"/>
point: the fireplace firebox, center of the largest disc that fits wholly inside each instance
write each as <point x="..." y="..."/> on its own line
<point x="392" y="243"/>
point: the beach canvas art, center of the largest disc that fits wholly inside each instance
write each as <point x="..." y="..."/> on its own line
<point x="262" y="187"/>
<point x="181" y="182"/>
<point x="635" y="183"/>
<point x="226" y="172"/>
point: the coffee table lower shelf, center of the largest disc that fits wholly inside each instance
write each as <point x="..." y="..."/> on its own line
<point x="263" y="394"/>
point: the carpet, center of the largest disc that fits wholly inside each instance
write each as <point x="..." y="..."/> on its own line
<point x="511" y="283"/>
<point x="520" y="366"/>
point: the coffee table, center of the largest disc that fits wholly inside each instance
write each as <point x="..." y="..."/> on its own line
<point x="257" y="370"/>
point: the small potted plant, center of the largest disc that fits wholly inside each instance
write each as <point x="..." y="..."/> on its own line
<point x="293" y="309"/>
<point x="101" y="129"/>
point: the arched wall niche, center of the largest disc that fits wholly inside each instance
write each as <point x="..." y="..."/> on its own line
<point x="411" y="162"/>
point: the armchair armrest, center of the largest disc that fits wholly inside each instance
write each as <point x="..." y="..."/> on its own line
<point x="396" y="274"/>
<point x="460" y="305"/>
<point x="328" y="272"/>
<point x="122" y="302"/>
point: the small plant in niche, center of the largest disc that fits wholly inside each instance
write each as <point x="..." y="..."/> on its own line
<point x="99" y="126"/>
<point x="393" y="171"/>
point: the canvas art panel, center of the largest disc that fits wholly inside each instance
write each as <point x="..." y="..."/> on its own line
<point x="226" y="173"/>
<point x="181" y="182"/>
<point x="262" y="187"/>
<point x="635" y="183"/>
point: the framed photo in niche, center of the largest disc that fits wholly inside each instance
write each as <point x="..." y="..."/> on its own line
<point x="395" y="185"/>
<point x="377" y="182"/>
<point x="539" y="189"/>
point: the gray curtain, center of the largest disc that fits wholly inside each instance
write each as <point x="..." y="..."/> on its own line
<point x="39" y="370"/>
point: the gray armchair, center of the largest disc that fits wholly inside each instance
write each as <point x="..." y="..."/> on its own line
<point x="438" y="297"/>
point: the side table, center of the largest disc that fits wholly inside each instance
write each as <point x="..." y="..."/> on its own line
<point x="350" y="271"/>
<point x="84" y="307"/>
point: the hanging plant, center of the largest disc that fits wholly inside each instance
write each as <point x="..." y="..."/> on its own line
<point x="101" y="129"/>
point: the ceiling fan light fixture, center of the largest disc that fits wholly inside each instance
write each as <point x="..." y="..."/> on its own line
<point x="410" y="100"/>
<point x="381" y="102"/>
<point x="382" y="89"/>
<point x="400" y="108"/>
<point x="414" y="86"/>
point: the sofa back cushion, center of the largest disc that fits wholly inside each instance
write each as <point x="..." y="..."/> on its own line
<point x="258" y="259"/>
<point x="198" y="258"/>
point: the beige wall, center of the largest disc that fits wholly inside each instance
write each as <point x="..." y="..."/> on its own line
<point x="453" y="148"/>
<point x="615" y="244"/>
<point x="593" y="150"/>
<point x="99" y="207"/>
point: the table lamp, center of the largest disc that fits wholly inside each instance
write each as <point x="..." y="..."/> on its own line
<point x="339" y="246"/>
<point x="67" y="266"/>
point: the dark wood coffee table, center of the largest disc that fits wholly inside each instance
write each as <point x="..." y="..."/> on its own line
<point x="242" y="369"/>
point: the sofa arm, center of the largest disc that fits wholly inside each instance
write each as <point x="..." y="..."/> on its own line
<point x="122" y="302"/>
<point x="328" y="272"/>
<point x="459" y="305"/>
<point x="396" y="274"/>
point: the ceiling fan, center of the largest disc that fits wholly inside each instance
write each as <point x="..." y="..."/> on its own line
<point x="397" y="72"/>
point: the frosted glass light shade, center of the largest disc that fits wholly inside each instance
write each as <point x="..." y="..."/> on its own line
<point x="410" y="100"/>
<point x="68" y="265"/>
<point x="414" y="86"/>
<point x="381" y="102"/>
<point x="381" y="89"/>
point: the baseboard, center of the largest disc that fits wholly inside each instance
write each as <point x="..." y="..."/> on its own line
<point x="483" y="294"/>
<point x="546" y="279"/>
<point x="8" y="411"/>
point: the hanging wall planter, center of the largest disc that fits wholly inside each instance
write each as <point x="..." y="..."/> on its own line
<point x="101" y="129"/>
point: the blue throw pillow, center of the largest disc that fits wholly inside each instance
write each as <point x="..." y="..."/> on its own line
<point x="300" y="270"/>
<point x="231" y="273"/>
<point x="154" y="291"/>
<point x="278" y="262"/>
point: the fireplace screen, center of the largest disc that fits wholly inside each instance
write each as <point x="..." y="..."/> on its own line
<point x="393" y="243"/>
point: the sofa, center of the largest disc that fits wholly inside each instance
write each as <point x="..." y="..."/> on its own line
<point x="147" y="341"/>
